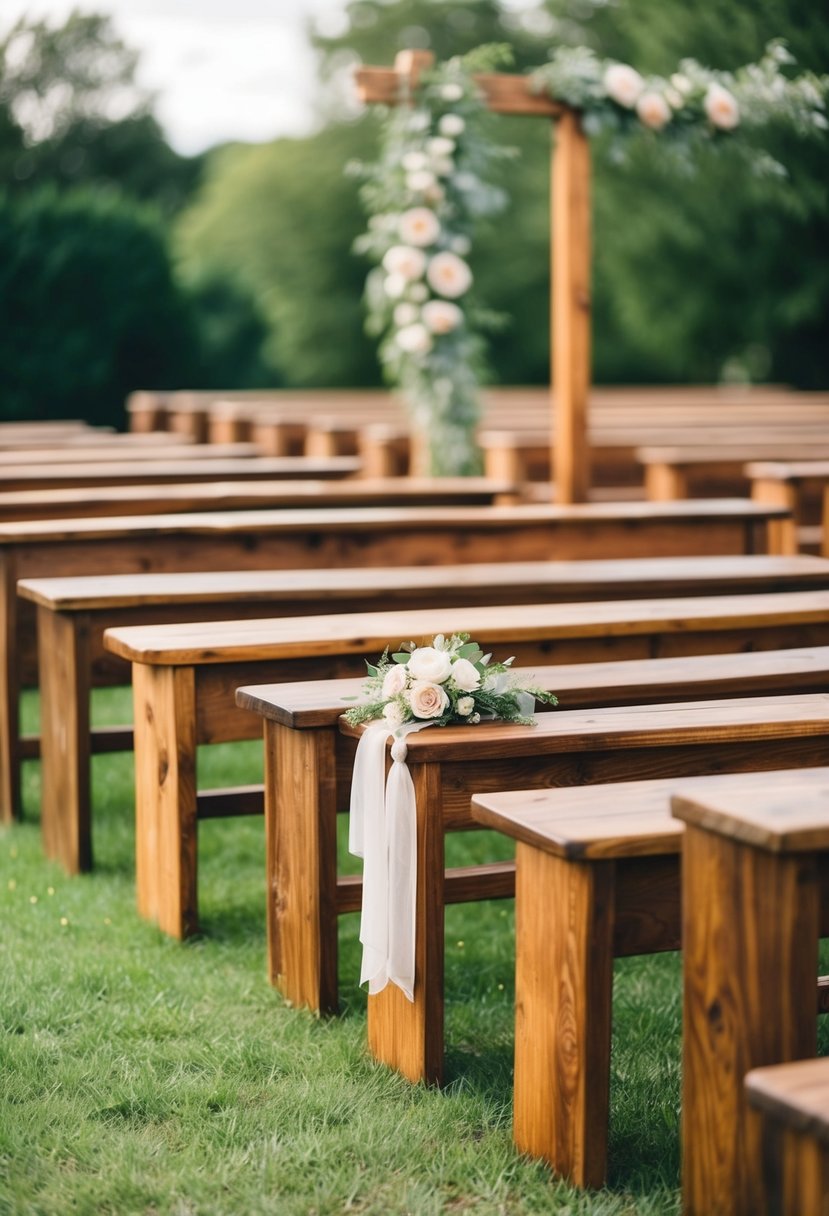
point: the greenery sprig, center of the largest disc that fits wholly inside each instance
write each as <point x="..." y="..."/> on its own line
<point x="425" y="197"/>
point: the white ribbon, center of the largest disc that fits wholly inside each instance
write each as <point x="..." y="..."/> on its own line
<point x="383" y="831"/>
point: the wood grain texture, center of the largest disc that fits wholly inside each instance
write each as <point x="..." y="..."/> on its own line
<point x="795" y="1095"/>
<point x="65" y="739"/>
<point x="785" y="817"/>
<point x="563" y="986"/>
<point x="750" y="930"/>
<point x="165" y="799"/>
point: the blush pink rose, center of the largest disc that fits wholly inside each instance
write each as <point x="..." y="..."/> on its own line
<point x="394" y="680"/>
<point x="428" y="700"/>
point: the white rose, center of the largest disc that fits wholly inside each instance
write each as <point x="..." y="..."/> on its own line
<point x="466" y="705"/>
<point x="452" y="125"/>
<point x="440" y="146"/>
<point x="428" y="700"/>
<point x="721" y="107"/>
<point x="405" y="314"/>
<point x="427" y="663"/>
<point x="449" y="275"/>
<point x="414" y="339"/>
<point x="653" y="110"/>
<point x="623" y="84"/>
<point x="674" y="99"/>
<point x="451" y="92"/>
<point x="441" y="317"/>
<point x="419" y="292"/>
<point x="405" y="261"/>
<point x="465" y="676"/>
<point x="681" y="83"/>
<point x="393" y="714"/>
<point x="394" y="680"/>
<point x="394" y="285"/>
<point x="412" y="162"/>
<point x="419" y="226"/>
<point x="420" y="181"/>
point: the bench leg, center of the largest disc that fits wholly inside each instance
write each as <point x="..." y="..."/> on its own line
<point x="10" y="808"/>
<point x="301" y="851"/>
<point x="408" y="1035"/>
<point x="64" y="663"/>
<point x="750" y="931"/>
<point x="165" y="797"/>
<point x="563" y="994"/>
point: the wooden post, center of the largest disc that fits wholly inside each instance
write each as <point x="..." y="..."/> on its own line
<point x="570" y="246"/>
<point x="570" y="343"/>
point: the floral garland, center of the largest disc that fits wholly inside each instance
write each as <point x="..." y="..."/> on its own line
<point x="429" y="189"/>
<point x="425" y="197"/>
<point x="695" y="106"/>
<point x="451" y="682"/>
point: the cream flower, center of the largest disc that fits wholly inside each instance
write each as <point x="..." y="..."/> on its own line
<point x="405" y="314"/>
<point x="414" y="339"/>
<point x="421" y="181"/>
<point x="394" y="680"/>
<point x="394" y="714"/>
<point x="394" y="285"/>
<point x="451" y="92"/>
<point x="721" y="107"/>
<point x="452" y="125"/>
<point x="419" y="292"/>
<point x="419" y="226"/>
<point x="441" y="317"/>
<point x="405" y="261"/>
<point x="413" y="162"/>
<point x="448" y="275"/>
<point x="465" y="675"/>
<point x="440" y="146"/>
<point x="653" y="110"/>
<point x="428" y="700"/>
<point x="427" y="663"/>
<point x="623" y="84"/>
<point x="466" y="705"/>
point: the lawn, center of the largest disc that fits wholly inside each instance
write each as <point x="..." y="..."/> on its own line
<point x="142" y="1075"/>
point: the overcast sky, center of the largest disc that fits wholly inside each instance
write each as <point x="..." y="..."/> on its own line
<point x="223" y="69"/>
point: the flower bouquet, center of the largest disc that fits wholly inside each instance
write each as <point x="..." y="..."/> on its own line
<point x="450" y="682"/>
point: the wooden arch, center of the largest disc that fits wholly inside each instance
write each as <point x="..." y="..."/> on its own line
<point x="569" y="245"/>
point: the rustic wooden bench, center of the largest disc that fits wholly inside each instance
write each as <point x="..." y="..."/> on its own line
<point x="117" y="449"/>
<point x="574" y="747"/>
<point x="74" y="612"/>
<point x="301" y="720"/>
<point x="87" y="501"/>
<point x="393" y="536"/>
<point x="800" y="487"/>
<point x="792" y="1101"/>
<point x="159" y="472"/>
<point x="674" y="471"/>
<point x="755" y="889"/>
<point x="597" y="878"/>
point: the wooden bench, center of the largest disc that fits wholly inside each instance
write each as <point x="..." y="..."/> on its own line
<point x="393" y="536"/>
<point x="792" y="1101"/>
<point x="74" y="612"/>
<point x="87" y="501"/>
<point x="800" y="487"/>
<point x="127" y="447"/>
<point x="597" y="878"/>
<point x="160" y="472"/>
<point x="673" y="471"/>
<point x="574" y="747"/>
<point x="755" y="890"/>
<point x="184" y="677"/>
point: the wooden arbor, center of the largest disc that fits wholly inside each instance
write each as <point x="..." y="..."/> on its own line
<point x="570" y="248"/>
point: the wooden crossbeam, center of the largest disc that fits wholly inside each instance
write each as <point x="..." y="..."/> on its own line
<point x="569" y="246"/>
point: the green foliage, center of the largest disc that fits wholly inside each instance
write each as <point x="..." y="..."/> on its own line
<point x="282" y="217"/>
<point x="88" y="307"/>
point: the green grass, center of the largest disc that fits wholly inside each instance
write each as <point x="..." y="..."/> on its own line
<point x="141" y="1075"/>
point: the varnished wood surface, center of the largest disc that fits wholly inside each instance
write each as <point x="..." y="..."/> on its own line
<point x="585" y="823"/>
<point x="369" y="633"/>
<point x="499" y="581"/>
<point x="115" y="500"/>
<point x="117" y="449"/>
<point x="795" y="1094"/>
<point x="367" y="519"/>
<point x="194" y="468"/>
<point x="789" y="470"/>
<point x="786" y="817"/>
<point x="581" y="685"/>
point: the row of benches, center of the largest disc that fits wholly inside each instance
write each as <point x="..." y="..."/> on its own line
<point x="186" y="679"/>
